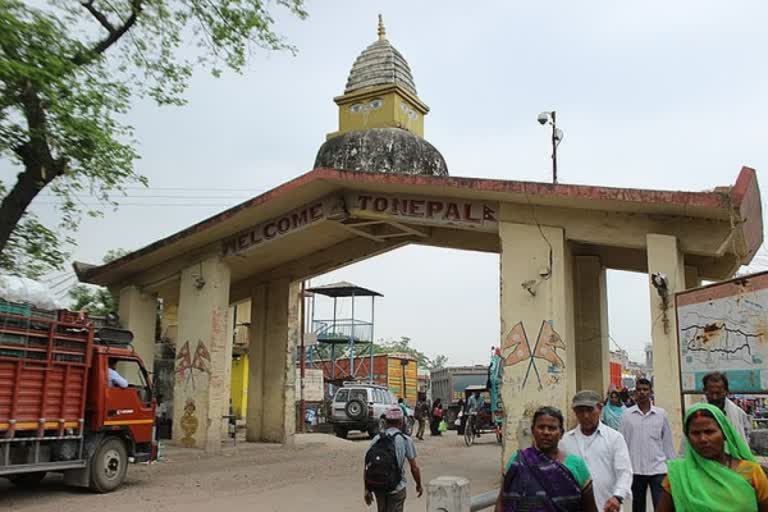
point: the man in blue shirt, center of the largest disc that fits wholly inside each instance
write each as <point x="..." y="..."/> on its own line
<point x="404" y="450"/>
<point x="114" y="379"/>
<point x="476" y="402"/>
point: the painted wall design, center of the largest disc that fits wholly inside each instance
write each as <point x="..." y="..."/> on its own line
<point x="187" y="364"/>
<point x="541" y="363"/>
<point x="516" y="349"/>
<point x="189" y="425"/>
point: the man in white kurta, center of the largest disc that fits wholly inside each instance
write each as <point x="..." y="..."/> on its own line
<point x="603" y="450"/>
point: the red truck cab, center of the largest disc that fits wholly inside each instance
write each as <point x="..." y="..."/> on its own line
<point x="59" y="412"/>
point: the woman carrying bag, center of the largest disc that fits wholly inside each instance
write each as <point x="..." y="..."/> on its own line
<point x="437" y="417"/>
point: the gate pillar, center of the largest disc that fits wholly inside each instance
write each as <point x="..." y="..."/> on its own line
<point x="203" y="356"/>
<point x="537" y="324"/>
<point x="592" y="342"/>
<point x="664" y="257"/>
<point x="273" y="339"/>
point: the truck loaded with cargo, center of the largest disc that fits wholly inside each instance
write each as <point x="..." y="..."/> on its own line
<point x="58" y="411"/>
<point x="398" y="372"/>
<point x="449" y="384"/>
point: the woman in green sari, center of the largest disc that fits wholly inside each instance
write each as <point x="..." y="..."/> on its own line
<point x="718" y="472"/>
<point x="613" y="411"/>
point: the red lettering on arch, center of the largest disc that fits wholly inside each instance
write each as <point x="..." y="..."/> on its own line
<point x="299" y="219"/>
<point x="416" y="208"/>
<point x="283" y="225"/>
<point x="380" y="204"/>
<point x="364" y="202"/>
<point x="315" y="211"/>
<point x="270" y="231"/>
<point x="468" y="213"/>
<point x="399" y="207"/>
<point x="452" y="212"/>
<point x="433" y="208"/>
<point x="489" y="214"/>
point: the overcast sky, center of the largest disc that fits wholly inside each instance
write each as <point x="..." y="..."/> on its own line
<point x="663" y="95"/>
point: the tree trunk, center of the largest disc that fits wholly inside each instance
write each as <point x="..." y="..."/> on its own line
<point x="30" y="182"/>
<point x="40" y="167"/>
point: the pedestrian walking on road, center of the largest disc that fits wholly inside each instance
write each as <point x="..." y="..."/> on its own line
<point x="406" y="423"/>
<point x="718" y="472"/>
<point x="646" y="430"/>
<point x="604" y="451"/>
<point x="384" y="474"/>
<point x="544" y="478"/>
<point x="437" y="417"/>
<point x="421" y="413"/>
<point x="716" y="391"/>
<point x="613" y="411"/>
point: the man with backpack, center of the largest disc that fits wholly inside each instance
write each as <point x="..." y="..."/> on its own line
<point x="384" y="474"/>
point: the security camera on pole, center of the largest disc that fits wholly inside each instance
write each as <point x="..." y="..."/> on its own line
<point x="557" y="137"/>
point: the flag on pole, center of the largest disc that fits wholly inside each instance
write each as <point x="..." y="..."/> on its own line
<point x="547" y="344"/>
<point x="515" y="347"/>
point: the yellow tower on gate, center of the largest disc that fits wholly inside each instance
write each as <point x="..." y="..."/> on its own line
<point x="380" y="92"/>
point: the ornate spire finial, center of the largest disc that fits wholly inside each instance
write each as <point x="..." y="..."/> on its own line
<point x="382" y="30"/>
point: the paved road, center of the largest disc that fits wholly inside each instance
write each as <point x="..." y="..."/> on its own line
<point x="321" y="474"/>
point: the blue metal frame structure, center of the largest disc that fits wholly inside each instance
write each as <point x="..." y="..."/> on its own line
<point x="355" y="335"/>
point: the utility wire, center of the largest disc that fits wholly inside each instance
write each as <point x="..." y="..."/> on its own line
<point x="196" y="205"/>
<point x="147" y="196"/>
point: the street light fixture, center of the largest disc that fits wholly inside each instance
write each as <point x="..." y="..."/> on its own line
<point x="557" y="137"/>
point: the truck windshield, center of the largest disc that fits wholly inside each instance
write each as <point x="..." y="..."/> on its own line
<point x="134" y="374"/>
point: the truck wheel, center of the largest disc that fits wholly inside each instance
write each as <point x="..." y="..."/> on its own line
<point x="109" y="465"/>
<point x="26" y="480"/>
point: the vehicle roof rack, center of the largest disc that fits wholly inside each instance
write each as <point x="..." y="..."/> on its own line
<point x="113" y="337"/>
<point x="362" y="383"/>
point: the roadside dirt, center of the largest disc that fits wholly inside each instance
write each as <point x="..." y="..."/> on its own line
<point x="321" y="473"/>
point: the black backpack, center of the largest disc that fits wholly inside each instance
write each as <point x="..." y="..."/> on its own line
<point x="382" y="472"/>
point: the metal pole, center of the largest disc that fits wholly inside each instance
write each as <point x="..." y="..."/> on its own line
<point x="373" y="310"/>
<point x="313" y="350"/>
<point x="302" y="354"/>
<point x="234" y="323"/>
<point x="554" y="147"/>
<point x="333" y="343"/>
<point x="352" y="342"/>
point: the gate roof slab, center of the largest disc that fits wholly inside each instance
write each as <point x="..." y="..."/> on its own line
<point x="727" y="222"/>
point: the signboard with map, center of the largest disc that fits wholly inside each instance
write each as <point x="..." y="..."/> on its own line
<point x="724" y="327"/>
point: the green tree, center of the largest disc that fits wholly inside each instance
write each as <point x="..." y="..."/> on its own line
<point x="97" y="300"/>
<point x="70" y="71"/>
<point x="438" y="362"/>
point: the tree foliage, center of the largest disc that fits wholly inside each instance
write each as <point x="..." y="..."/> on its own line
<point x="69" y="73"/>
<point x="97" y="300"/>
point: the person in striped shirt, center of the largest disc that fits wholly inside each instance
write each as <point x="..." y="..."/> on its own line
<point x="646" y="430"/>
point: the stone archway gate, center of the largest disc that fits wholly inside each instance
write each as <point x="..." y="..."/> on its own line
<point x="555" y="243"/>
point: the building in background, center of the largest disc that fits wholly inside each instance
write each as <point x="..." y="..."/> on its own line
<point x="397" y="371"/>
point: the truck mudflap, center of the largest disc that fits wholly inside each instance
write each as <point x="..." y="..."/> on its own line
<point x="82" y="477"/>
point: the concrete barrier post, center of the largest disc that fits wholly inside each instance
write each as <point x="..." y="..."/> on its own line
<point x="448" y="494"/>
